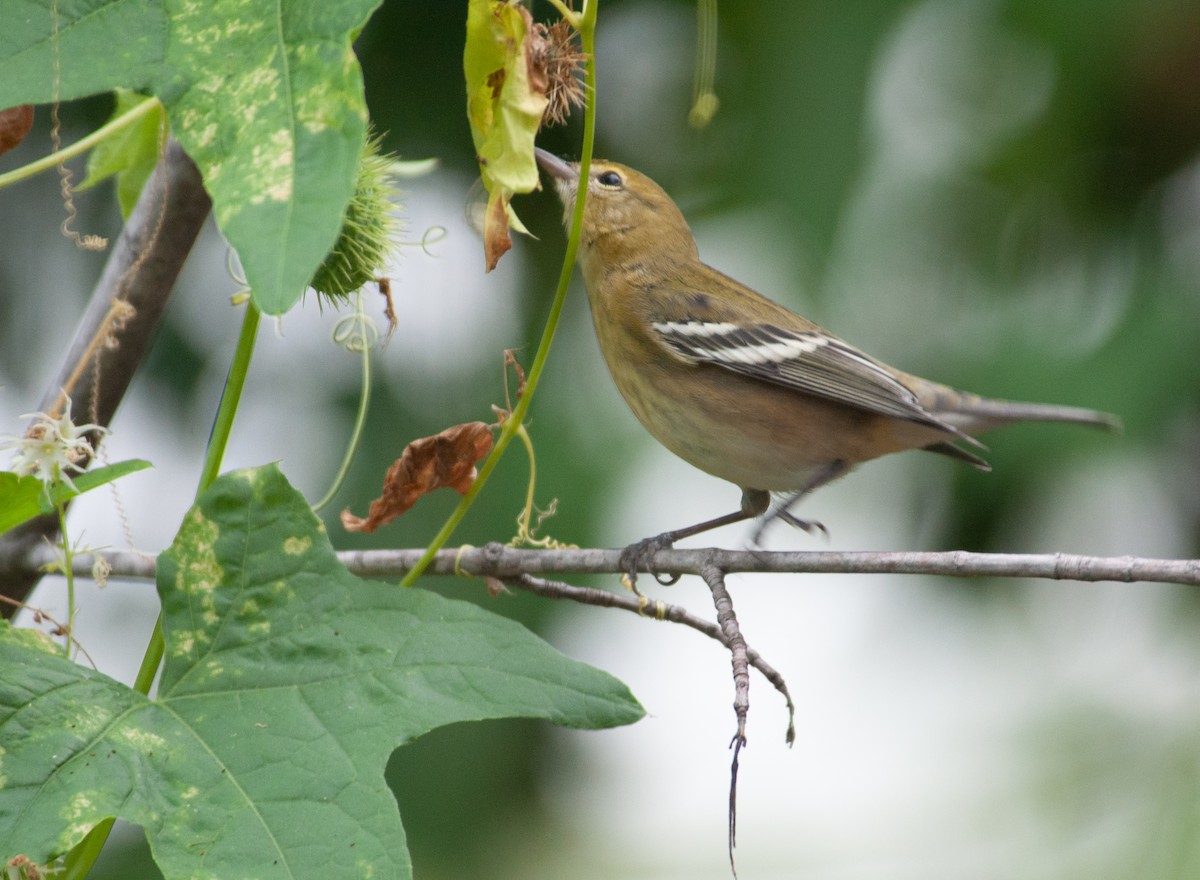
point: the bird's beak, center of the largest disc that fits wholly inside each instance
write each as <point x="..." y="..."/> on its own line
<point x="555" y="166"/>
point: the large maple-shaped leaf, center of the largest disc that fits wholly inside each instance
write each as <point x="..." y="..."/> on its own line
<point x="287" y="683"/>
<point x="265" y="95"/>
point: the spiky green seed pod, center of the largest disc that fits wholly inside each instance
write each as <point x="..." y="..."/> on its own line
<point x="368" y="232"/>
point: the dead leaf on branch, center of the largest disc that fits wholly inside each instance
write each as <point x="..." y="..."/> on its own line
<point x="496" y="240"/>
<point x="446" y="459"/>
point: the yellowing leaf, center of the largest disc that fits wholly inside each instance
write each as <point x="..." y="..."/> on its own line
<point x="504" y="108"/>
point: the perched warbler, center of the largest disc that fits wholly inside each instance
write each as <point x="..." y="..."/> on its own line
<point x="738" y="385"/>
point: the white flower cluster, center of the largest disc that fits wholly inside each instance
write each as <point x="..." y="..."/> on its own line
<point x="52" y="447"/>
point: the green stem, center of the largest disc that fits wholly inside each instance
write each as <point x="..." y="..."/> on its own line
<point x="569" y="14"/>
<point x="587" y="35"/>
<point x="80" y="146"/>
<point x="704" y="99"/>
<point x="526" y="517"/>
<point x="80" y="860"/>
<point x="230" y="398"/>
<point x="219" y="439"/>
<point x="363" y="345"/>
<point x="69" y="571"/>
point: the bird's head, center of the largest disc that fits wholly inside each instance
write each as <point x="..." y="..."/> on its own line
<point x="627" y="214"/>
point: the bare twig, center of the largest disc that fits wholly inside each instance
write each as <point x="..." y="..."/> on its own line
<point x="727" y="620"/>
<point x="657" y="610"/>
<point x="727" y="631"/>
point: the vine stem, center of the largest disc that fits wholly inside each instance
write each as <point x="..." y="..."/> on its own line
<point x="587" y="36"/>
<point x="217" y="441"/>
<point x="80" y="146"/>
<point x="363" y="346"/>
<point x="231" y="396"/>
<point x="79" y="861"/>
<point x="68" y="571"/>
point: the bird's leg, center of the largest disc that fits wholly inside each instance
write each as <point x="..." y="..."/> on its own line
<point x="754" y="502"/>
<point x="827" y="474"/>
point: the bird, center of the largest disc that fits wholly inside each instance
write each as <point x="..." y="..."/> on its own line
<point x="738" y="385"/>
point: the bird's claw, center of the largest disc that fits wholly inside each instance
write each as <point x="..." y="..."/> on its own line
<point x="810" y="526"/>
<point x="633" y="556"/>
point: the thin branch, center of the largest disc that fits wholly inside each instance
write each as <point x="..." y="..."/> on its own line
<point x="656" y="610"/>
<point x="501" y="561"/>
<point x="727" y="620"/>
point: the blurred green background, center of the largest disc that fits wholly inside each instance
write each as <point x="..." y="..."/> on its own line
<point x="1004" y="196"/>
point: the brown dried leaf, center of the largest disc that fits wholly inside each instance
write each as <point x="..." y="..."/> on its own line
<point x="510" y="360"/>
<point x="496" y="240"/>
<point x="445" y="459"/>
<point x="496" y="587"/>
<point x="389" y="306"/>
<point x="15" y="123"/>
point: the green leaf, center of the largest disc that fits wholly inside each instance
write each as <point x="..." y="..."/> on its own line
<point x="265" y="95"/>
<point x="30" y="638"/>
<point x="286" y="685"/>
<point x="23" y="498"/>
<point x="130" y="154"/>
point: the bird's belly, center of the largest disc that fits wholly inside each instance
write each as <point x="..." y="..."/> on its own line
<point x="750" y="433"/>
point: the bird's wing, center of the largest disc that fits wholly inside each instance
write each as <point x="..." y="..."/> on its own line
<point x="805" y="360"/>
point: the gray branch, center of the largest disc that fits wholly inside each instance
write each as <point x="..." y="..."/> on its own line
<point x="504" y="562"/>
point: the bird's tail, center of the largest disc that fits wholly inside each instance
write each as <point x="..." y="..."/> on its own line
<point x="972" y="414"/>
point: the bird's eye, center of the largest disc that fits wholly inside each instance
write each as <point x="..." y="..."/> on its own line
<point x="610" y="178"/>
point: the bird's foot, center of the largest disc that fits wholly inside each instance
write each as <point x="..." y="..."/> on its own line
<point x="634" y="556"/>
<point x="811" y="526"/>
